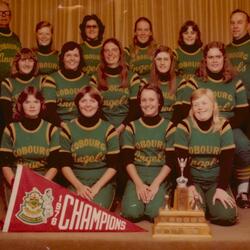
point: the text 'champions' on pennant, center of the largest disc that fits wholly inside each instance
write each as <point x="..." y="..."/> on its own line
<point x="39" y="205"/>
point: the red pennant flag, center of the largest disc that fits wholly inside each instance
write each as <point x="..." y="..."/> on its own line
<point x="39" y="205"/>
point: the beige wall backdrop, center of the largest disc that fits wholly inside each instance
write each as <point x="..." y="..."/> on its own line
<point x="119" y="16"/>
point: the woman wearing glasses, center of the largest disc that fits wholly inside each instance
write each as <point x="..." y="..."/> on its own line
<point x="92" y="30"/>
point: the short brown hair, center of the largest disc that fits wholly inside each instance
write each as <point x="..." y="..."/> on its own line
<point x="24" y="53"/>
<point x="93" y="92"/>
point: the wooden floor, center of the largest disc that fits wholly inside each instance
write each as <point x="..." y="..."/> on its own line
<point x="235" y="237"/>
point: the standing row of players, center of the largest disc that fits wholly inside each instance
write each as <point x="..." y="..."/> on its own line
<point x="148" y="63"/>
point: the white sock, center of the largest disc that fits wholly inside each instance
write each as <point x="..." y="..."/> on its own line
<point x="243" y="188"/>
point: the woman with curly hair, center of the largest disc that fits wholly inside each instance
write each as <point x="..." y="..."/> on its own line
<point x="60" y="87"/>
<point x="92" y="30"/>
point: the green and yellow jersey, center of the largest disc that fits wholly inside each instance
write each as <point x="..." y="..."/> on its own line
<point x="187" y="63"/>
<point x="61" y="90"/>
<point x="149" y="142"/>
<point x="229" y="95"/>
<point x="239" y="55"/>
<point x="89" y="146"/>
<point x="91" y="56"/>
<point x="48" y="63"/>
<point x="115" y="98"/>
<point x="9" y="46"/>
<point x="204" y="148"/>
<point x="31" y="148"/>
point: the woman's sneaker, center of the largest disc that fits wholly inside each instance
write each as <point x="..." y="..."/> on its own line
<point x="242" y="200"/>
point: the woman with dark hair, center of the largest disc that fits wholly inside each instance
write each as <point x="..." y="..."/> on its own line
<point x="206" y="141"/>
<point x="189" y="52"/>
<point x="90" y="150"/>
<point x="117" y="84"/>
<point x="163" y="75"/>
<point x="30" y="141"/>
<point x="217" y="73"/>
<point x="24" y="73"/>
<point x="92" y="30"/>
<point x="139" y="54"/>
<point x="147" y="150"/>
<point x="60" y="87"/>
<point x="47" y="57"/>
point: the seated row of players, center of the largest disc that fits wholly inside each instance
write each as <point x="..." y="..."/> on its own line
<point x="87" y="150"/>
<point x="119" y="87"/>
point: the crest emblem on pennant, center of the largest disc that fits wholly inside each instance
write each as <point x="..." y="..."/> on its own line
<point x="36" y="207"/>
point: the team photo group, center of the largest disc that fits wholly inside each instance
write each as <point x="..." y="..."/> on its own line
<point x="110" y="122"/>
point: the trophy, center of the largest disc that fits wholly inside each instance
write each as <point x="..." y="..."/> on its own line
<point x="181" y="201"/>
<point x="183" y="219"/>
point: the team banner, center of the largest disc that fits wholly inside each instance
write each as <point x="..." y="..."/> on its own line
<point x="39" y="205"/>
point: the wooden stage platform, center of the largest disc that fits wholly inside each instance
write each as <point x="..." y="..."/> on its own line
<point x="235" y="237"/>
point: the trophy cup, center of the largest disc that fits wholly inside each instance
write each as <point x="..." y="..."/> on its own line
<point x="182" y="219"/>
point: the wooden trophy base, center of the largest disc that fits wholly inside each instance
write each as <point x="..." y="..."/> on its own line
<point x="182" y="220"/>
<point x="177" y="223"/>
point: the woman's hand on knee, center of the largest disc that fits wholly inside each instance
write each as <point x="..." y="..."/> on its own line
<point x="226" y="199"/>
<point x="142" y="192"/>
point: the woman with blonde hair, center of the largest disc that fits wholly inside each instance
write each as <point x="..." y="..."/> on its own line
<point x="206" y="141"/>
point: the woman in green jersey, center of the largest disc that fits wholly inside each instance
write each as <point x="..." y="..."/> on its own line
<point x="118" y="85"/>
<point x="189" y="52"/>
<point x="90" y="150"/>
<point x="206" y="141"/>
<point x="24" y="73"/>
<point x="30" y="140"/>
<point x="164" y="76"/>
<point x="60" y="87"/>
<point x="47" y="57"/>
<point x="139" y="53"/>
<point x="92" y="30"/>
<point x="147" y="150"/>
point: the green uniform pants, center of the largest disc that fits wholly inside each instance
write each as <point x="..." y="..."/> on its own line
<point x="135" y="209"/>
<point x="216" y="213"/>
<point x="89" y="177"/>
